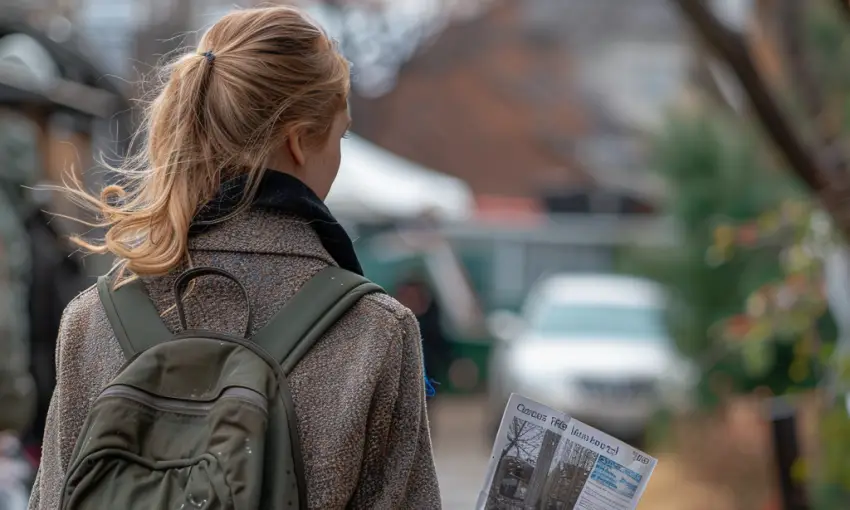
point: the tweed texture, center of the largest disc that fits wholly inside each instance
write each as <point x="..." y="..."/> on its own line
<point x="359" y="393"/>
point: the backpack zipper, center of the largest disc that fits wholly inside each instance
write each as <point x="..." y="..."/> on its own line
<point x="168" y="404"/>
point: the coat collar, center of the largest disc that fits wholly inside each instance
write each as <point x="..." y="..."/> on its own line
<point x="286" y="217"/>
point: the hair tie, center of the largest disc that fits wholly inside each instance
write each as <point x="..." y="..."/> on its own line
<point x="210" y="56"/>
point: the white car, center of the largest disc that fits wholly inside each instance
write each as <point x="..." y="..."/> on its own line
<point x="593" y="346"/>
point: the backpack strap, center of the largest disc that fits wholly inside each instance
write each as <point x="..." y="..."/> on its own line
<point x="311" y="311"/>
<point x="133" y="316"/>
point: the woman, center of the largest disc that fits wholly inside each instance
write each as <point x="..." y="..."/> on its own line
<point x="240" y="147"/>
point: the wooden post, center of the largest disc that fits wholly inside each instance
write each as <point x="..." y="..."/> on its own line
<point x="783" y="419"/>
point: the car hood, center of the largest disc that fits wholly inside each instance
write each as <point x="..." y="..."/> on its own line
<point x="592" y="357"/>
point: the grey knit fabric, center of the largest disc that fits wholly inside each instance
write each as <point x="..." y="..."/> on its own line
<point x="359" y="393"/>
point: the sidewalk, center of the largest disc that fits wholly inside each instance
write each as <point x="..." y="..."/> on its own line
<point x="460" y="449"/>
<point x="671" y="487"/>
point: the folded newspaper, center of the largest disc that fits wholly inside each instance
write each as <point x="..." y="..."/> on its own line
<point x="545" y="460"/>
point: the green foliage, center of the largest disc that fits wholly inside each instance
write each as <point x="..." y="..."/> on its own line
<point x="714" y="173"/>
<point x="828" y="40"/>
<point x="833" y="470"/>
<point x="739" y="234"/>
<point x="747" y="277"/>
<point x="713" y="167"/>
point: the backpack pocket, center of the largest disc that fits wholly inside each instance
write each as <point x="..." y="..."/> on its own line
<point x="142" y="450"/>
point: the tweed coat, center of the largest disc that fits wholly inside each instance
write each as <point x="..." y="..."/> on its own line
<point x="359" y="393"/>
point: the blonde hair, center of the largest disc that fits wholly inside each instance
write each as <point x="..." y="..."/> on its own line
<point x="219" y="112"/>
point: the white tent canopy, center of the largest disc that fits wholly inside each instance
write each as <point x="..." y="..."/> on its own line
<point x="376" y="184"/>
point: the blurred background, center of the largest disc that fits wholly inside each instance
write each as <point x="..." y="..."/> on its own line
<point x="633" y="211"/>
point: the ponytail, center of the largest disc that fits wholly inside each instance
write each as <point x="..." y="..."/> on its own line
<point x="220" y="113"/>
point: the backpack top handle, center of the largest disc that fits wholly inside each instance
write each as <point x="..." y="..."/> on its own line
<point x="189" y="275"/>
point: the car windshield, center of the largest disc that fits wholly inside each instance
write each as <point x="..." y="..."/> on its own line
<point x="645" y="323"/>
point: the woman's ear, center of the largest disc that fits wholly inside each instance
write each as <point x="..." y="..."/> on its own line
<point x="296" y="147"/>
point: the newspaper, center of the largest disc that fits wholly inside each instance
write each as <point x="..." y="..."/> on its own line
<point x="545" y="460"/>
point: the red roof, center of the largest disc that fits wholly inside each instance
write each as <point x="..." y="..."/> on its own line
<point x="510" y="210"/>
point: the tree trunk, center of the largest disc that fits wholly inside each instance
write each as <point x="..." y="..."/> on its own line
<point x="542" y="467"/>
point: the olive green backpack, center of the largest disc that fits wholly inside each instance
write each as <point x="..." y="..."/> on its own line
<point x="202" y="420"/>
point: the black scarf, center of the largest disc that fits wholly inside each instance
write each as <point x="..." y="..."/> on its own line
<point x="280" y="192"/>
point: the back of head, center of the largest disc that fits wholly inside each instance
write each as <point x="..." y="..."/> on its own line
<point x="257" y="77"/>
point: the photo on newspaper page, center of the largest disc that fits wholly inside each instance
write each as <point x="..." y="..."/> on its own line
<point x="544" y="460"/>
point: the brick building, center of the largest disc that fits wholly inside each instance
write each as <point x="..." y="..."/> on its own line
<point x="538" y="97"/>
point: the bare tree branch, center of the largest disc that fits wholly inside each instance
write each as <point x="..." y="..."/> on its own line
<point x="523" y="437"/>
<point x="732" y="49"/>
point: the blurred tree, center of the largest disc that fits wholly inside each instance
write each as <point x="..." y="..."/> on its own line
<point x="731" y="46"/>
<point x="17" y="388"/>
<point x="809" y="130"/>
<point x="716" y="176"/>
